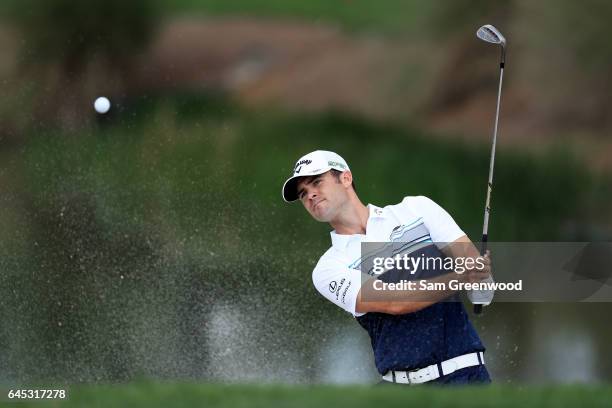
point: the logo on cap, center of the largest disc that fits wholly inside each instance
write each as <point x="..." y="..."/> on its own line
<point x="298" y="165"/>
<point x="336" y="164"/>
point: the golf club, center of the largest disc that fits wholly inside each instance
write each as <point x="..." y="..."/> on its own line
<point x="491" y="35"/>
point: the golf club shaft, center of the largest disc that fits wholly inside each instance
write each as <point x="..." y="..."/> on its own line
<point x="487" y="211"/>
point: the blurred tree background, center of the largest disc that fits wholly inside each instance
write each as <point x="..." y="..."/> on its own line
<point x="152" y="241"/>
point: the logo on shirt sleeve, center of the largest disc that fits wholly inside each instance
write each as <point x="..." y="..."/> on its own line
<point x="345" y="290"/>
<point x="332" y="286"/>
<point x="335" y="288"/>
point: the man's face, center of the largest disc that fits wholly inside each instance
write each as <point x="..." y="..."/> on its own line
<point x="322" y="195"/>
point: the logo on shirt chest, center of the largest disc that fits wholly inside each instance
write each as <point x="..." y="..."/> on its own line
<point x="414" y="232"/>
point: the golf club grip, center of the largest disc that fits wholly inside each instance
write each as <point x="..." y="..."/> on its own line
<point x="483" y="250"/>
<point x="483" y="244"/>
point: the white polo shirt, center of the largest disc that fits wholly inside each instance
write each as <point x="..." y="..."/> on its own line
<point x="337" y="275"/>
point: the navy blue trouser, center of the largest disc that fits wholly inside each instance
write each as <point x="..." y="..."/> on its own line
<point x="466" y="376"/>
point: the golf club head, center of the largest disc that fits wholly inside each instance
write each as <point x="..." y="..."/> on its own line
<point x="491" y="35"/>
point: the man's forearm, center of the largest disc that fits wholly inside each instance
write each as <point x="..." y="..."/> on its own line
<point x="421" y="294"/>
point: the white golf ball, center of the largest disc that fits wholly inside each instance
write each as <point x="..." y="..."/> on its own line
<point x="102" y="104"/>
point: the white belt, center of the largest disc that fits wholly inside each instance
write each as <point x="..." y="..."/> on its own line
<point x="435" y="371"/>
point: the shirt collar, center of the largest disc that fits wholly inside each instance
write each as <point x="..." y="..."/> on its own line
<point x="376" y="212"/>
<point x="341" y="240"/>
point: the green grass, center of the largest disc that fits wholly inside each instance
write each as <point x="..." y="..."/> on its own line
<point x="152" y="395"/>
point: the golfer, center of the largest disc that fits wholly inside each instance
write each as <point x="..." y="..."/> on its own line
<point x="416" y="337"/>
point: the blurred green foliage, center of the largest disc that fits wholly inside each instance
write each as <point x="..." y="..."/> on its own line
<point x="205" y="149"/>
<point x="390" y="16"/>
<point x="72" y="31"/>
<point x="465" y="16"/>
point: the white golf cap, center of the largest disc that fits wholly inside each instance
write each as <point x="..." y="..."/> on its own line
<point x="317" y="162"/>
